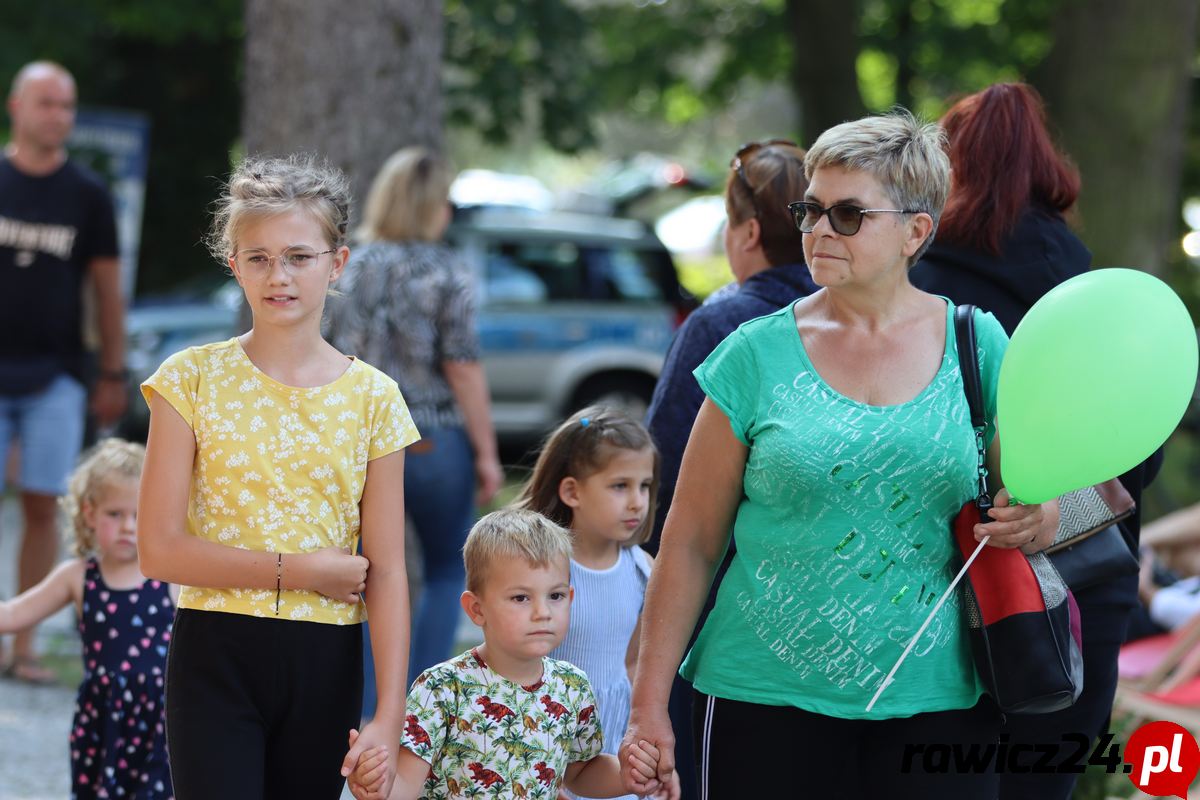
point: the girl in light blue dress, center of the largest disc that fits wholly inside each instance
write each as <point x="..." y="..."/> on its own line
<point x="598" y="476"/>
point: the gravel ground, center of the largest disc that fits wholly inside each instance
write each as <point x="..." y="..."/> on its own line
<point x="34" y="720"/>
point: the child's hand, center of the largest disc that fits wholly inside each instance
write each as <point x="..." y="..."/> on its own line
<point x="336" y="573"/>
<point x="369" y="779"/>
<point x="643" y="757"/>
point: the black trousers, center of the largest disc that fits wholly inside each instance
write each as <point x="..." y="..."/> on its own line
<point x="748" y="750"/>
<point x="260" y="708"/>
<point x="679" y="707"/>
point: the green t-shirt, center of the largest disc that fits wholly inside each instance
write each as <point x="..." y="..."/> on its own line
<point x="843" y="532"/>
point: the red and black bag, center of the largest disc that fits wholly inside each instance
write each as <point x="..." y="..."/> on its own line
<point x="1023" y="621"/>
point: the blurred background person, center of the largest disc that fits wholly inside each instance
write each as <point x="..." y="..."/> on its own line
<point x="409" y="309"/>
<point x="1173" y="541"/>
<point x="57" y="234"/>
<point x="1003" y="243"/>
<point x="766" y="256"/>
<point x="1169" y="574"/>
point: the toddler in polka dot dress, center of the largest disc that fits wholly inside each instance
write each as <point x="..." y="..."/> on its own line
<point x="117" y="741"/>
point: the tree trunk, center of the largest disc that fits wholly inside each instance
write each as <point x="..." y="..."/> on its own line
<point x="1116" y="87"/>
<point x="353" y="81"/>
<point x="824" y="68"/>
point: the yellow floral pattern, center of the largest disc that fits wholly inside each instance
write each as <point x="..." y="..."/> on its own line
<point x="278" y="469"/>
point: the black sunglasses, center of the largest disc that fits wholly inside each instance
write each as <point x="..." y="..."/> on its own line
<point x="844" y="218"/>
<point x="737" y="163"/>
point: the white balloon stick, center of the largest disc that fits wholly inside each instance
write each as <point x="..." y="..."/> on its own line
<point x="912" y="642"/>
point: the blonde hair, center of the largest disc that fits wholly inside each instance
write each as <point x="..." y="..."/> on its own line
<point x="514" y="533"/>
<point x="906" y="155"/>
<point x="583" y="446"/>
<point x="109" y="463"/>
<point x="407" y="198"/>
<point x="268" y="187"/>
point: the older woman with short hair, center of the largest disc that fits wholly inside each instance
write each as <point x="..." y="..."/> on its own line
<point x="835" y="443"/>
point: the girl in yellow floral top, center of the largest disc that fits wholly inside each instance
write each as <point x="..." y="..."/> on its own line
<point x="268" y="455"/>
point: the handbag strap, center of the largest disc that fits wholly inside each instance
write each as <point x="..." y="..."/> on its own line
<point x="968" y="365"/>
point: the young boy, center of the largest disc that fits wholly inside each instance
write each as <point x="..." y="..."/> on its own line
<point x="502" y="717"/>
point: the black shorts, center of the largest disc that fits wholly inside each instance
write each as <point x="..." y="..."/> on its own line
<point x="260" y="708"/>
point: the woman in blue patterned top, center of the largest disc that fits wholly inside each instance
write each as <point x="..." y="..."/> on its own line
<point x="408" y="308"/>
<point x="835" y="443"/>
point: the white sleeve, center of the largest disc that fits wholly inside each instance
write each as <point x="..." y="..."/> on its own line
<point x="1174" y="605"/>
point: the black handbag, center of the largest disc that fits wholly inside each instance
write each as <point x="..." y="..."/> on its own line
<point x="1022" y="619"/>
<point x="1089" y="547"/>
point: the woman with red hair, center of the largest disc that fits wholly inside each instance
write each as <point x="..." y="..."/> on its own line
<point x="1003" y="243"/>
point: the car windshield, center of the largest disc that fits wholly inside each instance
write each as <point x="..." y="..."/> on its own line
<point x="563" y="271"/>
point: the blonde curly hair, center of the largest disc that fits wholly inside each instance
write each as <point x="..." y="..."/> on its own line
<point x="109" y="463"/>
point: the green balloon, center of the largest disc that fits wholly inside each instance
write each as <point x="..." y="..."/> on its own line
<point x="1096" y="377"/>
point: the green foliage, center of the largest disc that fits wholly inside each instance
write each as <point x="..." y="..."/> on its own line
<point x="168" y="23"/>
<point x="681" y="62"/>
<point x="506" y="59"/>
<point x="1182" y="272"/>
<point x="561" y="64"/>
<point x="939" y="49"/>
<point x="877" y="71"/>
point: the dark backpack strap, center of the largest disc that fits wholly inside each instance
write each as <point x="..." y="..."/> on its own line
<point x="968" y="365"/>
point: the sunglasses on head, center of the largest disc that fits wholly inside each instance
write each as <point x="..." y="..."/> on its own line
<point x="737" y="163"/>
<point x="844" y="218"/>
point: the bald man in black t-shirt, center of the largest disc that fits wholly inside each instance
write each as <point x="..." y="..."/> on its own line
<point x="57" y="236"/>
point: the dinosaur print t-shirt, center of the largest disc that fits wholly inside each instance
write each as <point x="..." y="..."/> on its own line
<point x="486" y="736"/>
<point x="843" y="532"/>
